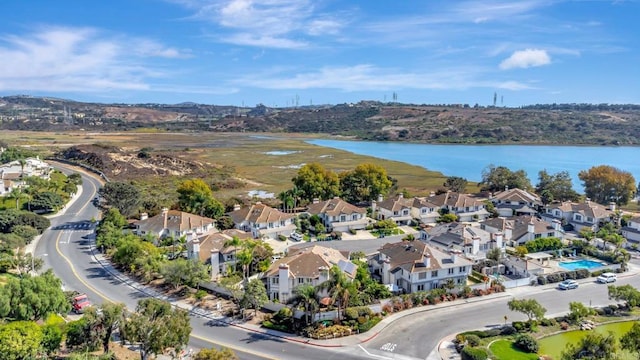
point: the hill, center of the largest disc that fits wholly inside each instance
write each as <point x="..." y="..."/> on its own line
<point x="577" y="124"/>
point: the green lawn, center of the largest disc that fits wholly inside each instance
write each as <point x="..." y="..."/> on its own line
<point x="387" y="232"/>
<point x="505" y="350"/>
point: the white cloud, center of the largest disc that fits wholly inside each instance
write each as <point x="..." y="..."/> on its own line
<point x="77" y="59"/>
<point x="525" y="59"/>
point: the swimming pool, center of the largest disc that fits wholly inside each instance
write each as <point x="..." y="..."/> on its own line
<point x="580" y="264"/>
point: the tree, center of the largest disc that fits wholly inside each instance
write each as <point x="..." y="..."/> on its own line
<point x="447" y="218"/>
<point x="593" y="346"/>
<point x="33" y="297"/>
<point x="339" y="287"/>
<point x="236" y="244"/>
<point x="215" y="354"/>
<point x="364" y="183"/>
<point x="26" y="232"/>
<point x="498" y="178"/>
<point x="307" y="297"/>
<point x="123" y="196"/>
<point x="52" y="334"/>
<point x="24" y="263"/>
<point x="625" y="293"/>
<point x="20" y="340"/>
<point x="47" y="201"/>
<point x="604" y="184"/>
<point x="195" y="196"/>
<point x="314" y="181"/>
<point x="225" y="222"/>
<point x="255" y="294"/>
<point x="629" y="341"/>
<point x="189" y="272"/>
<point x="494" y="254"/>
<point x="529" y="307"/>
<point x="456" y="184"/>
<point x="578" y="311"/>
<point x="83" y="334"/>
<point x="107" y="320"/>
<point x="156" y="326"/>
<point x="555" y="187"/>
<point x="18" y="195"/>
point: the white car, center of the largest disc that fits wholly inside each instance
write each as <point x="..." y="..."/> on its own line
<point x="607" y="277"/>
<point x="296" y="236"/>
<point x="568" y="285"/>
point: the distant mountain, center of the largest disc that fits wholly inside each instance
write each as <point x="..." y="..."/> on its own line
<point x="590" y="124"/>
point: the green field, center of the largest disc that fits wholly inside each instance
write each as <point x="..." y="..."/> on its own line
<point x="553" y="345"/>
<point x="505" y="350"/>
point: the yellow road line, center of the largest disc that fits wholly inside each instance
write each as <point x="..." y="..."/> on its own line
<point x="218" y="343"/>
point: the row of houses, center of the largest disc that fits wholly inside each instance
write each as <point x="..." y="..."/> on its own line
<point x="12" y="174"/>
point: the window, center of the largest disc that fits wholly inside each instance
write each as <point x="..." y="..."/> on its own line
<point x="423" y="211"/>
<point x="537" y="236"/>
<point x="270" y="225"/>
<point x="354" y="217"/>
<point x="459" y="281"/>
<point x="550" y="234"/>
<point x="275" y="280"/>
<point x="578" y="217"/>
<point x="422" y="275"/>
<point x="589" y="219"/>
<point x="282" y="223"/>
<point x="434" y="273"/>
<point x="405" y="212"/>
<point x="450" y="271"/>
<point x="463" y="269"/>
<point x="300" y="280"/>
<point x="395" y="213"/>
<point x="343" y="218"/>
<point x="420" y="287"/>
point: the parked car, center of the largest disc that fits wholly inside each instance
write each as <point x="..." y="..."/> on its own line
<point x="296" y="236"/>
<point x="568" y="285"/>
<point x="80" y="303"/>
<point x="607" y="277"/>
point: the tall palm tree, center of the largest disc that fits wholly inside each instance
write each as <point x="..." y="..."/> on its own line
<point x="305" y="295"/>
<point x="339" y="287"/>
<point x="17" y="194"/>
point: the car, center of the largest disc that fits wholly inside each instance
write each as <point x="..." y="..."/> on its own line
<point x="607" y="277"/>
<point x="568" y="285"/>
<point x="80" y="303"/>
<point x="296" y="236"/>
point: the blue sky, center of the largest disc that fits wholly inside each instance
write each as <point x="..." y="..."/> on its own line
<point x="283" y="52"/>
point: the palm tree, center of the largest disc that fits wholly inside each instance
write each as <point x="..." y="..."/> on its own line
<point x="235" y="242"/>
<point x="287" y="200"/>
<point x="305" y="295"/>
<point x="18" y="195"/>
<point x="339" y="287"/>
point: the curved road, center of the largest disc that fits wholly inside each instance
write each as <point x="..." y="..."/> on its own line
<point x="67" y="248"/>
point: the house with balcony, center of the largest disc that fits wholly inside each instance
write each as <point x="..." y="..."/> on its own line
<point x="515" y="202"/>
<point x="212" y="249"/>
<point x="397" y="209"/>
<point x="263" y="221"/>
<point x="467" y="208"/>
<point x="338" y="215"/>
<point x="579" y="215"/>
<point x="520" y="229"/>
<point x="173" y="223"/>
<point x="301" y="266"/>
<point x="412" y="266"/>
<point x="424" y="211"/>
<point x="472" y="241"/>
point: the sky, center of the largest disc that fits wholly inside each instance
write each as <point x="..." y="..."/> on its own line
<point x="284" y="53"/>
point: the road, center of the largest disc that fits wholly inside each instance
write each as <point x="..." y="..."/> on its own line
<point x="67" y="249"/>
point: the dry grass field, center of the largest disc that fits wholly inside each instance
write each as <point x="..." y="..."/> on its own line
<point x="264" y="161"/>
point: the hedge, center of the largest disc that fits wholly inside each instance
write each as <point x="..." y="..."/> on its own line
<point x="474" y="353"/>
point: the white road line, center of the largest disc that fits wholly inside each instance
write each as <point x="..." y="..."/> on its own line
<point x="373" y="355"/>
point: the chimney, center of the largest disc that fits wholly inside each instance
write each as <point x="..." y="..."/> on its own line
<point x="508" y="233"/>
<point x="432" y="193"/>
<point x="215" y="264"/>
<point x="380" y="198"/>
<point x="426" y="260"/>
<point x="587" y="201"/>
<point x="195" y="249"/>
<point x="374" y="204"/>
<point x="144" y="216"/>
<point x="315" y="201"/>
<point x="506" y="188"/>
<point x="400" y="196"/>
<point x="612" y="206"/>
<point x="454" y="256"/>
<point x="236" y="207"/>
<point x="557" y="224"/>
<point x="476" y="245"/>
<point x="499" y="239"/>
<point x="283" y="282"/>
<point x="531" y="227"/>
<point x="165" y="215"/>
<point x="386" y="268"/>
<point x="323" y="272"/>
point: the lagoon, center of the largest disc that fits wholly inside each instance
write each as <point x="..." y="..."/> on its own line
<point x="468" y="161"/>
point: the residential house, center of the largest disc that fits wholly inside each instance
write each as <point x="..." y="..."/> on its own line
<point x="211" y="249"/>
<point x="424" y="211"/>
<point x="397" y="209"/>
<point x="173" y="223"/>
<point x="579" y="215"/>
<point x="30" y="167"/>
<point x="263" y="221"/>
<point x="520" y="229"/>
<point x="473" y="242"/>
<point x="514" y="202"/>
<point x="467" y="208"/>
<point x="631" y="232"/>
<point x="308" y="265"/>
<point x="338" y="215"/>
<point x="414" y="266"/>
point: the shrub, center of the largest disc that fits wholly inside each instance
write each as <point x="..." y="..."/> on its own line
<point x="547" y="322"/>
<point x="472" y="340"/>
<point x="542" y="280"/>
<point x="508" y="330"/>
<point x="520" y="326"/>
<point x="554" y="278"/>
<point x="564" y="325"/>
<point x="200" y="294"/>
<point x="387" y="308"/>
<point x="331" y="331"/>
<point x="282" y="238"/>
<point x="353" y="231"/>
<point x="474" y="353"/>
<point x="582" y="274"/>
<point x="526" y="342"/>
<point x="350" y="313"/>
<point x="571" y="275"/>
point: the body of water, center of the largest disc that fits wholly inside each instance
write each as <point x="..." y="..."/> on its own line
<point x="468" y="161"/>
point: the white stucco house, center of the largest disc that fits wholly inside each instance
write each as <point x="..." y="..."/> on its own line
<point x="467" y="208"/>
<point x="263" y="221"/>
<point x="586" y="214"/>
<point x="514" y="202"/>
<point x="173" y="223"/>
<point x="338" y="215"/>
